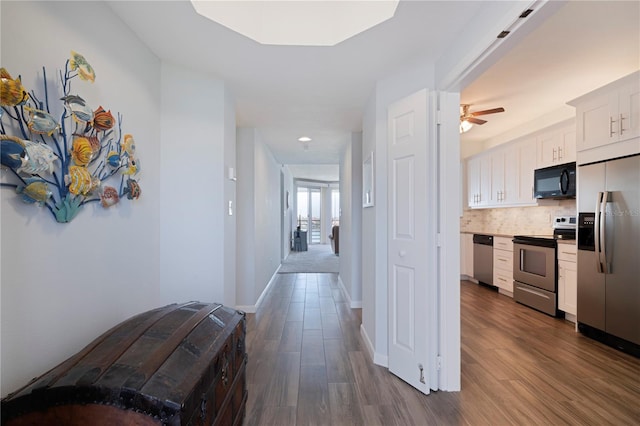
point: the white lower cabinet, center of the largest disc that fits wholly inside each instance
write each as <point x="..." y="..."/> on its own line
<point x="567" y="280"/>
<point x="466" y="255"/>
<point x="503" y="265"/>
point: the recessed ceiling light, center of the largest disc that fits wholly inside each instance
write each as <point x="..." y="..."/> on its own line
<point x="304" y="139"/>
<point x="297" y="22"/>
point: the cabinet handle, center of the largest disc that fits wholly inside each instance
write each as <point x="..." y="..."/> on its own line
<point x="559" y="153"/>
<point x="611" y="132"/>
<point x="554" y="154"/>
<point x="621" y="126"/>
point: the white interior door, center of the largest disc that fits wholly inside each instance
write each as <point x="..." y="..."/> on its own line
<point x="412" y="257"/>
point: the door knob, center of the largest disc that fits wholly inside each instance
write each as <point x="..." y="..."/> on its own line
<point x="402" y="253"/>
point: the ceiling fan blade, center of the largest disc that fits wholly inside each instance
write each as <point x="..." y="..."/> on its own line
<point x="475" y="120"/>
<point x="487" y="111"/>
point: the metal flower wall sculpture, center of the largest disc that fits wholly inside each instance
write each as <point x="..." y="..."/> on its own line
<point x="64" y="164"/>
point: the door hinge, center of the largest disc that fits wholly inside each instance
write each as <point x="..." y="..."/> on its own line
<point x="438" y="240"/>
<point x="438" y="117"/>
<point x="438" y="363"/>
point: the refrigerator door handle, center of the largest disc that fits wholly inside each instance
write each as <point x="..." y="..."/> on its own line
<point x="597" y="234"/>
<point x="606" y="267"/>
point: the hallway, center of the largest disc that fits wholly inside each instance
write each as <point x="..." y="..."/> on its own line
<point x="308" y="365"/>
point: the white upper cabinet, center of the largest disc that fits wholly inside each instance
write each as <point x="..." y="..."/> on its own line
<point x="479" y="181"/>
<point x="608" y="120"/>
<point x="557" y="146"/>
<point x="497" y="183"/>
<point x="503" y="176"/>
<point x="629" y="112"/>
<point x="527" y="165"/>
<point x="473" y="181"/>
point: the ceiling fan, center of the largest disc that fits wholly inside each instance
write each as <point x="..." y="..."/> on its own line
<point x="467" y="119"/>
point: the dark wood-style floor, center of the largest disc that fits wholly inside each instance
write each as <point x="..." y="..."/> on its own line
<point x="308" y="366"/>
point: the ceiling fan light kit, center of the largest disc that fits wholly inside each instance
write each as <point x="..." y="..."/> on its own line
<point x="465" y="126"/>
<point x="468" y="119"/>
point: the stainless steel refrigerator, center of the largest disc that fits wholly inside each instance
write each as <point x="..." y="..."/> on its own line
<point x="609" y="252"/>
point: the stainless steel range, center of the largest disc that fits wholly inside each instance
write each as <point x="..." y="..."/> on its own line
<point x="535" y="267"/>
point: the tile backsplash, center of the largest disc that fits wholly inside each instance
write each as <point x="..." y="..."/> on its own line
<point x="517" y="220"/>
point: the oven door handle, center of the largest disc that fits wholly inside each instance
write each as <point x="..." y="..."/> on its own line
<point x="536" y="293"/>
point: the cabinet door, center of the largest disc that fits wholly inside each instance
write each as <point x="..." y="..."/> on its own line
<point x="479" y="181"/>
<point x="548" y="153"/>
<point x="473" y="182"/>
<point x="596" y="125"/>
<point x="629" y="112"/>
<point x="497" y="182"/>
<point x="466" y="254"/>
<point x="527" y="164"/>
<point x="485" y="181"/>
<point x="511" y="192"/>
<point x="567" y="286"/>
<point x="567" y="148"/>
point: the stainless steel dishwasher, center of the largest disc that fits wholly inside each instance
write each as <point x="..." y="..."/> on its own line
<point x="483" y="258"/>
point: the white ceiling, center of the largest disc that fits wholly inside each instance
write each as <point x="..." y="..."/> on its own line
<point x="290" y="91"/>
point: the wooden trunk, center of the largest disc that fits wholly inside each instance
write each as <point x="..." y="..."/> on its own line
<point x="176" y="365"/>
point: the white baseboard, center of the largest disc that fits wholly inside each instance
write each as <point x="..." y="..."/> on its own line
<point x="251" y="309"/>
<point x="353" y="304"/>
<point x="378" y="359"/>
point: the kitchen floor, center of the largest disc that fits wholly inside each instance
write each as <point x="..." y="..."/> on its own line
<point x="308" y="365"/>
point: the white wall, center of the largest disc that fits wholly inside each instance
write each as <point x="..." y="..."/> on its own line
<point x="245" y="212"/>
<point x="64" y="284"/>
<point x="229" y="241"/>
<point x="268" y="211"/>
<point x="192" y="258"/>
<point x="259" y="210"/>
<point x="325" y="215"/>
<point x="368" y="237"/>
<point x="351" y="220"/>
<point x="289" y="214"/>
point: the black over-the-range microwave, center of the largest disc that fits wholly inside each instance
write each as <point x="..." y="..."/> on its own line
<point x="555" y="181"/>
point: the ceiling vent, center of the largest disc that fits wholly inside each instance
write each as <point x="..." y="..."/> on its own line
<point x="526" y="13"/>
